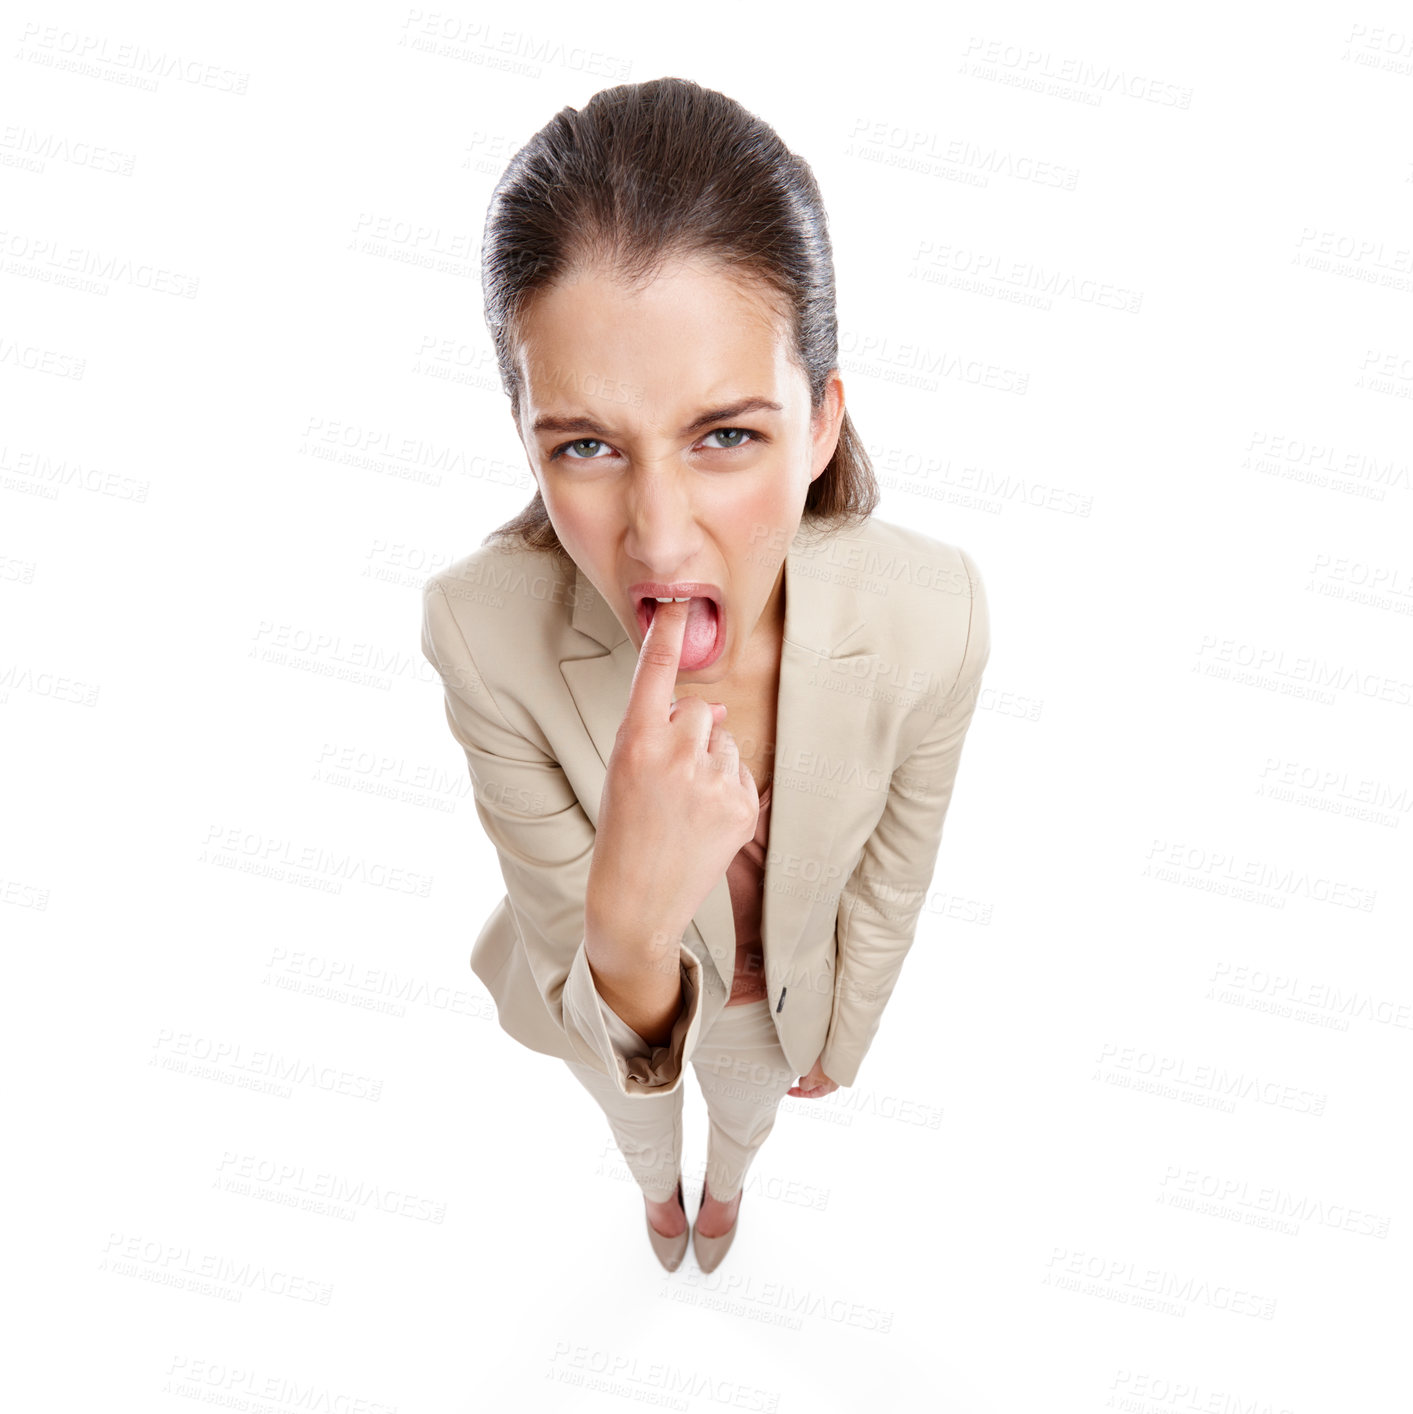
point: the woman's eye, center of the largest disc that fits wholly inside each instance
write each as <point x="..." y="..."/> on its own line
<point x="731" y="432"/>
<point x="586" y="449"/>
<point x="580" y="442"/>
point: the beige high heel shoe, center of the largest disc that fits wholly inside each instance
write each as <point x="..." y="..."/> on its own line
<point x="670" y="1250"/>
<point x="710" y="1250"/>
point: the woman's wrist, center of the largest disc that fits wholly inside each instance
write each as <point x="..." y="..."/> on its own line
<point x="622" y="941"/>
<point x="640" y="982"/>
<point x="629" y="947"/>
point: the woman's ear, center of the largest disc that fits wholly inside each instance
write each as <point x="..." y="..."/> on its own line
<point x="828" y="419"/>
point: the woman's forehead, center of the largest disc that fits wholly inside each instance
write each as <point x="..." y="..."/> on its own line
<point x="693" y="293"/>
<point x="674" y="346"/>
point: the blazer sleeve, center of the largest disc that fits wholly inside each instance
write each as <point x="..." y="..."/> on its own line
<point x="545" y="843"/>
<point x="880" y="904"/>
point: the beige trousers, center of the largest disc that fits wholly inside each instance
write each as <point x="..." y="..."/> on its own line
<point x="743" y="1075"/>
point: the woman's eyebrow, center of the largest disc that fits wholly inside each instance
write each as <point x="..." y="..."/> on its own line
<point x="549" y="423"/>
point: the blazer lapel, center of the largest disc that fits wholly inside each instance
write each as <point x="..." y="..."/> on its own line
<point x="818" y="732"/>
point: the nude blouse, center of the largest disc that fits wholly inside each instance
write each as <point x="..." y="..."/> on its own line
<point x="745" y="877"/>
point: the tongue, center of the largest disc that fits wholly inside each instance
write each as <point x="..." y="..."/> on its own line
<point x="699" y="636"/>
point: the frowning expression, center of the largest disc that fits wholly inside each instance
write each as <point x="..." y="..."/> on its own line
<point x="673" y="442"/>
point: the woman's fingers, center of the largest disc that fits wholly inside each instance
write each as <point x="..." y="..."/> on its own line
<point x="718" y="709"/>
<point x="722" y="745"/>
<point x="691" y="713"/>
<point x="655" y="676"/>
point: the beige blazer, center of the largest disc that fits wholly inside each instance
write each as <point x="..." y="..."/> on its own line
<point x="886" y="637"/>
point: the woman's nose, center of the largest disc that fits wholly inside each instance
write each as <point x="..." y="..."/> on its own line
<point x="662" y="523"/>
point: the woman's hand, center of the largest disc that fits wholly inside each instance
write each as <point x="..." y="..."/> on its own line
<point x="677" y="805"/>
<point x="814" y="1086"/>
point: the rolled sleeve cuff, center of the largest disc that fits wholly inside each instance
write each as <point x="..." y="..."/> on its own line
<point x="606" y="1043"/>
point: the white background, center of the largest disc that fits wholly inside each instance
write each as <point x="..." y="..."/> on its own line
<point x="1125" y="311"/>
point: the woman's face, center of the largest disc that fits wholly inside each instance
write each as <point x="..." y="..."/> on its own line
<point x="653" y="469"/>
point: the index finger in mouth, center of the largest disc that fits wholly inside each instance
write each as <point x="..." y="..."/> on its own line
<point x="655" y="677"/>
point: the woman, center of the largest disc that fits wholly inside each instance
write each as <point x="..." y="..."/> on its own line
<point x="696" y="624"/>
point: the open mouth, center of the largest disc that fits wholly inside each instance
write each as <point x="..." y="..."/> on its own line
<point x="704" y="637"/>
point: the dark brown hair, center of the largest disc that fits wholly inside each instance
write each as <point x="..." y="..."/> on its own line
<point x="652" y="171"/>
